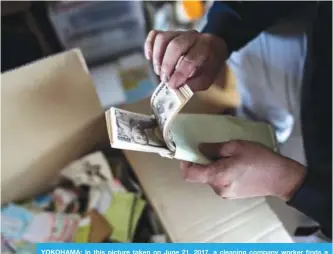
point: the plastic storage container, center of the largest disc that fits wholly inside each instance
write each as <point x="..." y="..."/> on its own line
<point x="99" y="29"/>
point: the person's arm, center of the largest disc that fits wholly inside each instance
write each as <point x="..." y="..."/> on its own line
<point x="238" y="22"/>
<point x="314" y="199"/>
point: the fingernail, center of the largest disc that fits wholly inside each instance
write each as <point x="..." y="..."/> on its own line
<point x="188" y="180"/>
<point x="192" y="73"/>
<point x="157" y="69"/>
<point x="147" y="55"/>
<point x="178" y="62"/>
<point x="164" y="78"/>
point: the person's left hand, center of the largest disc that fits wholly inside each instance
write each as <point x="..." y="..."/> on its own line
<point x="246" y="169"/>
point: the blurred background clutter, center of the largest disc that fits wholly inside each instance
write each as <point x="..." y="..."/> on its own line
<point x="109" y="34"/>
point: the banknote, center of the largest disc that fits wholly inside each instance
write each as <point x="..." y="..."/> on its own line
<point x="166" y="103"/>
<point x="132" y="131"/>
<point x="167" y="129"/>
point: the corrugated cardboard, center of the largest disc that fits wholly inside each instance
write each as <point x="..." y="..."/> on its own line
<point x="50" y="116"/>
<point x="193" y="212"/>
<point x="100" y="229"/>
<point x="222" y="93"/>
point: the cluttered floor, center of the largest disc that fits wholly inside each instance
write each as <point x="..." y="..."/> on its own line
<point x="95" y="199"/>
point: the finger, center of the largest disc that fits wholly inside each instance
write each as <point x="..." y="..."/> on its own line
<point x="203" y="76"/>
<point x="175" y="50"/>
<point x="221" y="182"/>
<point x="185" y="164"/>
<point x="219" y="191"/>
<point x="183" y="167"/>
<point x="201" y="80"/>
<point x="231" y="148"/>
<point x="198" y="174"/>
<point x="149" y="43"/>
<point x="207" y="174"/>
<point x="218" y="150"/>
<point x="211" y="150"/>
<point x="192" y="60"/>
<point x="161" y="42"/>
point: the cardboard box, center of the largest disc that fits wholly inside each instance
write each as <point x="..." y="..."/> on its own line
<point x="50" y="116"/>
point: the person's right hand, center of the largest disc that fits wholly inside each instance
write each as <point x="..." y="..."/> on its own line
<point x="244" y="169"/>
<point x="186" y="57"/>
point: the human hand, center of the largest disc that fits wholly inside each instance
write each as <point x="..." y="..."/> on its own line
<point x="186" y="57"/>
<point x="246" y="169"/>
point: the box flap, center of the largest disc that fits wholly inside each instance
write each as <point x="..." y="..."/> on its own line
<point x="50" y="115"/>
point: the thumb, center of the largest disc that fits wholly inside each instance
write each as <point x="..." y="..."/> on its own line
<point x="218" y="150"/>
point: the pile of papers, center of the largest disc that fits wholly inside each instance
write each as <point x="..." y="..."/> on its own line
<point x="88" y="205"/>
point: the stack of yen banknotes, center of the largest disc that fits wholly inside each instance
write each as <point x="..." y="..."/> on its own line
<point x="173" y="134"/>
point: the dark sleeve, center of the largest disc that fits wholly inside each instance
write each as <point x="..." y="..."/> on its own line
<point x="314" y="199"/>
<point x="238" y="22"/>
